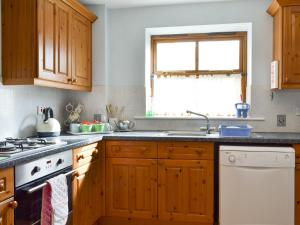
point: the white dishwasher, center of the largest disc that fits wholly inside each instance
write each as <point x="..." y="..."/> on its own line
<point x="256" y="185"/>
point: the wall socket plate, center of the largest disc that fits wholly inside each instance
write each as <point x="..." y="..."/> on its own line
<point x="39" y="109"/>
<point x="281" y="120"/>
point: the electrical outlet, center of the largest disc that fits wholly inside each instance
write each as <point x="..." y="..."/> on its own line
<point x="39" y="110"/>
<point x="281" y="120"/>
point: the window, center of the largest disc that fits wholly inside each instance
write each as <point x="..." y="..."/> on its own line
<point x="200" y="72"/>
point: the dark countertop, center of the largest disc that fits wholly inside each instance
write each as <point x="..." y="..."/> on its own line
<point x="82" y="140"/>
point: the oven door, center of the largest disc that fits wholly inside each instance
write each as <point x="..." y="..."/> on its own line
<point x="28" y="211"/>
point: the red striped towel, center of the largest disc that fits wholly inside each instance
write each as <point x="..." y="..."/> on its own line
<point x="55" y="202"/>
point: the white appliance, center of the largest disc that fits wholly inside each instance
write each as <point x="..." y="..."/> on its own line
<point x="256" y="185"/>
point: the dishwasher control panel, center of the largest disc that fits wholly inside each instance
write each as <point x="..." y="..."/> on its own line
<point x="258" y="157"/>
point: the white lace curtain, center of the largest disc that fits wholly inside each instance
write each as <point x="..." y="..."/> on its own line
<point x="211" y="95"/>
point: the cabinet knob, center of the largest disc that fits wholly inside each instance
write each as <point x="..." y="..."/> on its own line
<point x="69" y="80"/>
<point x="13" y="204"/>
<point x="95" y="152"/>
<point x="74" y="80"/>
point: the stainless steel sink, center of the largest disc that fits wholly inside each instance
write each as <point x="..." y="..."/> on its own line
<point x="191" y="133"/>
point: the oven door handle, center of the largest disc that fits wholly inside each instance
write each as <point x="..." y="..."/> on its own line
<point x="36" y="188"/>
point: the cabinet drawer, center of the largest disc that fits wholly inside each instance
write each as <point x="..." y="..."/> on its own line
<point x="6" y="183"/>
<point x="131" y="149"/>
<point x="185" y="150"/>
<point x="84" y="155"/>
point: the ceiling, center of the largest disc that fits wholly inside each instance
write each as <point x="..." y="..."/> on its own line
<point x="138" y="3"/>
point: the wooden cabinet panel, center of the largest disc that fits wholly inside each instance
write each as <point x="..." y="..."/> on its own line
<point x="81" y="50"/>
<point x="63" y="26"/>
<point x="7" y="211"/>
<point x="291" y="37"/>
<point x="6" y="183"/>
<point x="85" y="155"/>
<point x="54" y="41"/>
<point x="87" y="194"/>
<point x="131" y="149"/>
<point x="47" y="38"/>
<point x="185" y="150"/>
<point x="131" y="188"/>
<point x="186" y="190"/>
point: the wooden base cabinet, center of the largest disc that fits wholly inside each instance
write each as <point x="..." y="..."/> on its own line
<point x="159" y="183"/>
<point x="47" y="43"/>
<point x="88" y="199"/>
<point x="131" y="188"/>
<point x="185" y="190"/>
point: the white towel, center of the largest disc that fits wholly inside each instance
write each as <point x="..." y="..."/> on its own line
<point x="55" y="202"/>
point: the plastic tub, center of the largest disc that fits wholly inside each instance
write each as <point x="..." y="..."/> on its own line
<point x="235" y="131"/>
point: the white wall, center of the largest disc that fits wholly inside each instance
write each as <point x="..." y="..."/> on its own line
<point x="127" y="56"/>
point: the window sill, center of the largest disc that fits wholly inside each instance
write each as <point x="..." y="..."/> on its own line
<point x="197" y="118"/>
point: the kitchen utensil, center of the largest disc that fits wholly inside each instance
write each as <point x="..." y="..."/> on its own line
<point x="48" y="126"/>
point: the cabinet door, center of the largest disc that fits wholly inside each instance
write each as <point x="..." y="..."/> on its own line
<point x="54" y="41"/>
<point x="297" y="195"/>
<point x="63" y="34"/>
<point x="185" y="190"/>
<point x="87" y="193"/>
<point x="131" y="188"/>
<point x="81" y="50"/>
<point x="7" y="211"/>
<point x="291" y="43"/>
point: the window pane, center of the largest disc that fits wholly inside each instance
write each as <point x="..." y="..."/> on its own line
<point x="211" y="95"/>
<point x="176" y="56"/>
<point x="219" y="55"/>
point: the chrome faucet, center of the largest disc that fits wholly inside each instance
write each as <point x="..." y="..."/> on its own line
<point x="205" y="117"/>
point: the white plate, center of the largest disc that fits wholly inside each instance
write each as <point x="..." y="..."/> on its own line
<point x="87" y="133"/>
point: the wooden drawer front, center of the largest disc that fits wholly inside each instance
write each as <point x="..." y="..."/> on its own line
<point x="131" y="149"/>
<point x="185" y="150"/>
<point x="297" y="154"/>
<point x="84" y="155"/>
<point x="6" y="183"/>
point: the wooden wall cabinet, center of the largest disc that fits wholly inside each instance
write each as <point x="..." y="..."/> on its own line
<point x="88" y="184"/>
<point x="159" y="183"/>
<point x="286" y="43"/>
<point x="47" y="43"/>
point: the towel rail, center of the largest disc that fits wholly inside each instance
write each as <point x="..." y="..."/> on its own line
<point x="31" y="190"/>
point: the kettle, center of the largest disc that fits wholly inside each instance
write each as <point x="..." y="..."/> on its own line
<point x="48" y="126"/>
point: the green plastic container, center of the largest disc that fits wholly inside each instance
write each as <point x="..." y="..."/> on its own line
<point x="85" y="128"/>
<point x="98" y="127"/>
